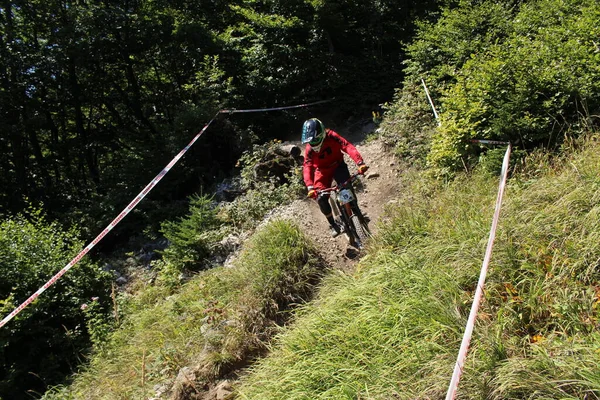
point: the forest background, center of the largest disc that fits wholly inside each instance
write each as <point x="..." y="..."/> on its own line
<point x="97" y="96"/>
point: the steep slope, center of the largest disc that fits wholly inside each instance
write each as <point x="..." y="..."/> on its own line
<point x="392" y="329"/>
<point x="378" y="187"/>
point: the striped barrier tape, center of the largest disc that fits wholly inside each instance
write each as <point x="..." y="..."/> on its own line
<point x="110" y="226"/>
<point x="464" y="347"/>
<point x="131" y="206"/>
<point x="489" y="141"/>
<point x="233" y="110"/>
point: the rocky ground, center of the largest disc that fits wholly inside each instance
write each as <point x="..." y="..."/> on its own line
<point x="378" y="187"/>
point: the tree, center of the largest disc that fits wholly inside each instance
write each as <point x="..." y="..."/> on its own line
<point x="46" y="341"/>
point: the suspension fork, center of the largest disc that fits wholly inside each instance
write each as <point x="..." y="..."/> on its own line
<point x="348" y="208"/>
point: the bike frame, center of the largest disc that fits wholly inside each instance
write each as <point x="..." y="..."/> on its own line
<point x="348" y="211"/>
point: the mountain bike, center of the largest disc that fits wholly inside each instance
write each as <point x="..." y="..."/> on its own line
<point x="346" y="210"/>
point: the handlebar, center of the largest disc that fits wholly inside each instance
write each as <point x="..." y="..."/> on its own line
<point x="352" y="178"/>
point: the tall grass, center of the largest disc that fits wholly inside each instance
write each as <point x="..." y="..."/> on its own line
<point x="214" y="323"/>
<point x="393" y="329"/>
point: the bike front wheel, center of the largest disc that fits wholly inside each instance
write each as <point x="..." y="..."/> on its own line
<point x="360" y="231"/>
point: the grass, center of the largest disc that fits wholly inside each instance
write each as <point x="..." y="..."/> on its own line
<point x="218" y="321"/>
<point x="393" y="329"/>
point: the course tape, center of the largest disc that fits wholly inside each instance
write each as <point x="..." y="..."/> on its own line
<point x="464" y="347"/>
<point x="233" y="110"/>
<point x="488" y="141"/>
<point x="437" y="117"/>
<point x="131" y="206"/>
<point x="110" y="226"/>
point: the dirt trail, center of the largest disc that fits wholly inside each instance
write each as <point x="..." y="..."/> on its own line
<point x="380" y="185"/>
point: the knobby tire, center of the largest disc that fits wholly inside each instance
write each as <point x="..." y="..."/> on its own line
<point x="359" y="230"/>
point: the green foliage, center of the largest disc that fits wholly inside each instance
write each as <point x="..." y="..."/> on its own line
<point x="258" y="154"/>
<point x="524" y="72"/>
<point x="99" y="322"/>
<point x="292" y="268"/>
<point x="248" y="210"/>
<point x="393" y="328"/>
<point x="99" y="96"/>
<point x="270" y="178"/>
<point x="42" y="344"/>
<point x="437" y="54"/>
<point x="192" y="237"/>
<point x="218" y="319"/>
<point x="441" y="48"/>
<point x="210" y="80"/>
<point x="532" y="88"/>
<point x="408" y="124"/>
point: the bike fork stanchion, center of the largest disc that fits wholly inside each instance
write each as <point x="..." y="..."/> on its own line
<point x="354" y="240"/>
<point x="334" y="207"/>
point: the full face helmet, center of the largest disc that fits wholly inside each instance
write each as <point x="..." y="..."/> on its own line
<point x="313" y="133"/>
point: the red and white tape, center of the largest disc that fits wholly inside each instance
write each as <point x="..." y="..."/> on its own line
<point x="483" y="141"/>
<point x="250" y="110"/>
<point x="110" y="226"/>
<point x="132" y="205"/>
<point x="464" y="347"/>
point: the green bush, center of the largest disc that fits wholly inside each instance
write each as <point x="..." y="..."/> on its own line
<point x="533" y="88"/>
<point x="270" y="178"/>
<point x="248" y="210"/>
<point x="524" y="72"/>
<point x="409" y="124"/>
<point x="213" y="323"/>
<point x="44" y="343"/>
<point x="440" y="49"/>
<point x="191" y="237"/>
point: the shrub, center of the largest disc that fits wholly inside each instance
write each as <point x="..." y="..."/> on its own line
<point x="270" y="178"/>
<point x="409" y="124"/>
<point x="45" y="341"/>
<point x="248" y="210"/>
<point x="540" y="83"/>
<point x="191" y="237"/>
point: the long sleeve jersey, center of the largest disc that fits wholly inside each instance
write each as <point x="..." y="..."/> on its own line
<point x="319" y="167"/>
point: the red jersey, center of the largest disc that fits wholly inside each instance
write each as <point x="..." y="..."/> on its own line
<point x="319" y="167"/>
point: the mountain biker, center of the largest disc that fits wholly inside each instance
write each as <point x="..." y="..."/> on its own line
<point x="324" y="162"/>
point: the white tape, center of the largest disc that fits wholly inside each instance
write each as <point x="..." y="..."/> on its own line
<point x="437" y="117"/>
<point x="482" y="141"/>
<point x="464" y="347"/>
<point x="132" y="205"/>
<point x="233" y="111"/>
<point x="110" y="226"/>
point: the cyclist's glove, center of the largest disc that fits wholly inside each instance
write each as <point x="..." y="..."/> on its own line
<point x="362" y="168"/>
<point x="312" y="193"/>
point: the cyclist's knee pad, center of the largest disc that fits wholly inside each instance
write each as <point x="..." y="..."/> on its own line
<point x="324" y="205"/>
